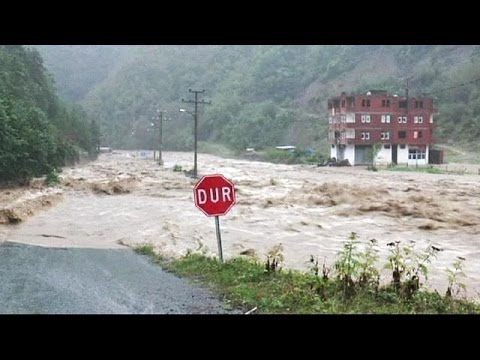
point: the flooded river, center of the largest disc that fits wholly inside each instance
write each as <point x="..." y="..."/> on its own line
<point x="124" y="198"/>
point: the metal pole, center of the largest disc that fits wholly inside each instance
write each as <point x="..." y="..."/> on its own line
<point x="195" y="137"/>
<point x="219" y="238"/>
<point x="195" y="130"/>
<point x="160" y="161"/>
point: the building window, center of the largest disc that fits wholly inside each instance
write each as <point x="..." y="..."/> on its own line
<point x="385" y="103"/>
<point x="385" y="135"/>
<point x="365" y="135"/>
<point x="416" y="154"/>
<point x="402" y="119"/>
<point x="365" y="118"/>
<point x="350" y="133"/>
<point x="386" y="119"/>
<point x="366" y="102"/>
<point x="343" y="118"/>
<point x="419" y="104"/>
<point x="386" y="146"/>
<point x="402" y="146"/>
<point x="402" y="134"/>
<point x="402" y="104"/>
<point x="418" y="119"/>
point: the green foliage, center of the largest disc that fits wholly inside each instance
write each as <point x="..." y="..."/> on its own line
<point x="53" y="177"/>
<point x="245" y="284"/>
<point x="279" y="156"/>
<point x="297" y="156"/>
<point x="372" y="155"/>
<point x="37" y="132"/>
<point x="275" y="259"/>
<point x="430" y="169"/>
<point x="145" y="249"/>
<point x="455" y="276"/>
<point x="408" y="266"/>
<point x="347" y="265"/>
<point x="177" y="168"/>
<point x="262" y="95"/>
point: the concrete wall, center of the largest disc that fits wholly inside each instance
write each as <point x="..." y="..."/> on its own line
<point x="333" y="151"/>
<point x="402" y="155"/>
<point x="384" y="156"/>
<point x="350" y="154"/>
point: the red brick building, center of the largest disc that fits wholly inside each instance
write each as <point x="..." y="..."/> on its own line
<point x="402" y="125"/>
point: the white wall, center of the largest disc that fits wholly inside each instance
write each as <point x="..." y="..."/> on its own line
<point x="350" y="154"/>
<point x="402" y="155"/>
<point x="333" y="151"/>
<point x="384" y="156"/>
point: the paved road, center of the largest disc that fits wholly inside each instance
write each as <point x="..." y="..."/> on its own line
<point x="38" y="280"/>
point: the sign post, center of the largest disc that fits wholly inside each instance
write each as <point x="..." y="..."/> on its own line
<point x="215" y="195"/>
<point x="219" y="238"/>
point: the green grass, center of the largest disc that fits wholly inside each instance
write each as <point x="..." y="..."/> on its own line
<point x="145" y="249"/>
<point x="245" y="284"/>
<point x="297" y="156"/>
<point x="425" y="169"/>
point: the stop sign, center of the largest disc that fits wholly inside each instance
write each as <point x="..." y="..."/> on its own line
<point x="214" y="195"/>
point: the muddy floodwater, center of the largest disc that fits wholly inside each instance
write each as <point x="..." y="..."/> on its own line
<point x="125" y="198"/>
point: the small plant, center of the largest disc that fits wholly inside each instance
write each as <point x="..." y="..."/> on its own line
<point x="275" y="259"/>
<point x="407" y="266"/>
<point x="369" y="274"/>
<point x="372" y="156"/>
<point x="53" y="177"/>
<point x="177" y="168"/>
<point x="145" y="249"/>
<point x="325" y="270"/>
<point x="347" y="265"/>
<point x="455" y="286"/>
<point x="314" y="265"/>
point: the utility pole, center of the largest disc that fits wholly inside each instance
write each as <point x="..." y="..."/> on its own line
<point x="160" y="123"/>
<point x="160" y="136"/>
<point x="195" y="117"/>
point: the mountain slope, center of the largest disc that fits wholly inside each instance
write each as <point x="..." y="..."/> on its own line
<point x="261" y="95"/>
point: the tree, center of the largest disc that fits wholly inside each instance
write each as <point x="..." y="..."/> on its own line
<point x="373" y="153"/>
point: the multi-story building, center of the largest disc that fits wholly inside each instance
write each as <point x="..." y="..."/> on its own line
<point x="402" y="125"/>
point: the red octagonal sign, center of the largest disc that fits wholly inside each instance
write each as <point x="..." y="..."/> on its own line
<point x="214" y="195"/>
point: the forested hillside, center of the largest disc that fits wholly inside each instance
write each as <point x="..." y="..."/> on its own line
<point x="38" y="132"/>
<point x="261" y="95"/>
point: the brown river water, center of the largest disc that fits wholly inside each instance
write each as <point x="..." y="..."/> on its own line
<point x="125" y="198"/>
